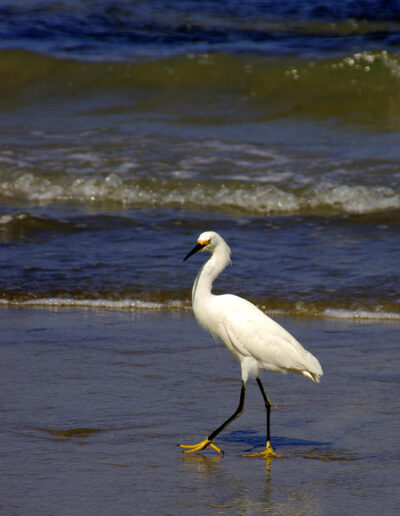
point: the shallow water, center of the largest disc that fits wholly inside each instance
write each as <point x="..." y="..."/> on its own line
<point x="127" y="129"/>
<point x="94" y="403"/>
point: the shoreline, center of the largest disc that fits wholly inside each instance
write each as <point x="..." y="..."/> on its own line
<point x="182" y="306"/>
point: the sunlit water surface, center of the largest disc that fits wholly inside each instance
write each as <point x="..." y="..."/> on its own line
<point x="95" y="402"/>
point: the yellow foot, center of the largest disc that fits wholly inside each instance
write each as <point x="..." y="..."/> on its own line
<point x="268" y="452"/>
<point x="191" y="448"/>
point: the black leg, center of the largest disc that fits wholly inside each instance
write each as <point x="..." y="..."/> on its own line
<point x="207" y="442"/>
<point x="267" y="453"/>
<point x="236" y="414"/>
<point x="267" y="406"/>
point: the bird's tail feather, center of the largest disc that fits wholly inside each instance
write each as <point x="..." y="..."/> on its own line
<point x="312" y="376"/>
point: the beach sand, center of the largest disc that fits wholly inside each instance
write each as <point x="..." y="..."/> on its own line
<point x="94" y="403"/>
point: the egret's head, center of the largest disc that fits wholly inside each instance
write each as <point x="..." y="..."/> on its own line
<point x="206" y="241"/>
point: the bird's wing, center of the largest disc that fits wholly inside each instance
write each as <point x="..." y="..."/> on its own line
<point x="252" y="333"/>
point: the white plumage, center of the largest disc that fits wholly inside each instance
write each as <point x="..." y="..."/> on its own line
<point x="257" y="341"/>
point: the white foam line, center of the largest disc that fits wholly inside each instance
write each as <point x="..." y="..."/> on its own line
<point x="136" y="304"/>
<point x="129" y="304"/>
<point x="360" y="314"/>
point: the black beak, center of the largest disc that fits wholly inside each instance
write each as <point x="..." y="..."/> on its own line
<point x="195" y="250"/>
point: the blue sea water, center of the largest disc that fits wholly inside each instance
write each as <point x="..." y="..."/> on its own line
<point x="127" y="128"/>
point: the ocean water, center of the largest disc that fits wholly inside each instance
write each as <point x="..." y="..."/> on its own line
<point x="94" y="402"/>
<point x="127" y="129"/>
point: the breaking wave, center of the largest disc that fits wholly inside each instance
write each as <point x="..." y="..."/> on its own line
<point x="243" y="197"/>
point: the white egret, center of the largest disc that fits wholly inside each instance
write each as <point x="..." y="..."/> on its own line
<point x="253" y="338"/>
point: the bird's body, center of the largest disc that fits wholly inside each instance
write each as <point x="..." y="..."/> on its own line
<point x="256" y="340"/>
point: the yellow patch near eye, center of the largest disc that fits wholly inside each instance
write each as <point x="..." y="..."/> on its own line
<point x="203" y="242"/>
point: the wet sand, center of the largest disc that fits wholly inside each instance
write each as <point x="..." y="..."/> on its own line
<point x="94" y="403"/>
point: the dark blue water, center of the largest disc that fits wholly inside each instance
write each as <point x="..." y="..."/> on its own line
<point x="159" y="28"/>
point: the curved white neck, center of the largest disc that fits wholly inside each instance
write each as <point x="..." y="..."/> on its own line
<point x="202" y="286"/>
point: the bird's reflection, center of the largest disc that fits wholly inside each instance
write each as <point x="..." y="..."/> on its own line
<point x="252" y="485"/>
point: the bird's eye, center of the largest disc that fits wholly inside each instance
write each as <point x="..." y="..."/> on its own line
<point x="204" y="242"/>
